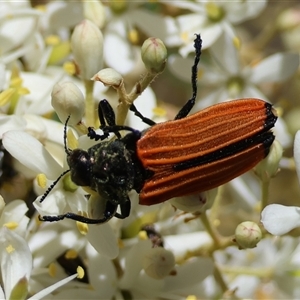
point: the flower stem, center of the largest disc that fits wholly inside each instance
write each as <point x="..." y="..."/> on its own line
<point x="211" y="231"/>
<point x="125" y="100"/>
<point x="89" y="103"/>
<point x="220" y="280"/>
<point x="264" y="193"/>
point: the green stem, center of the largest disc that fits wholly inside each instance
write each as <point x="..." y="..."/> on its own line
<point x="89" y="103"/>
<point x="220" y="280"/>
<point x="211" y="231"/>
<point x="264" y="193"/>
<point x="257" y="272"/>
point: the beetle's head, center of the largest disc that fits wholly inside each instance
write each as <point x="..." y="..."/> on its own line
<point x="80" y="164"/>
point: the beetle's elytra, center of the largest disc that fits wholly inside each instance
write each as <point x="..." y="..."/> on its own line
<point x="206" y="149"/>
<point x="188" y="155"/>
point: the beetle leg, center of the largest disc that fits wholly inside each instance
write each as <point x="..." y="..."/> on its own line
<point x="185" y="110"/>
<point x="107" y="129"/>
<point x="106" y="113"/>
<point x="110" y="211"/>
<point x="125" y="209"/>
<point x="138" y="114"/>
<point x="94" y="136"/>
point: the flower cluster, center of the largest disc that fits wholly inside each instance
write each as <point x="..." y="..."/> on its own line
<point x="57" y="62"/>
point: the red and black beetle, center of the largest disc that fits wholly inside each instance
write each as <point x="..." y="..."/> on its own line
<point x="188" y="155"/>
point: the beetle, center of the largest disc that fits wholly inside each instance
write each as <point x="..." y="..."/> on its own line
<point x="188" y="155"/>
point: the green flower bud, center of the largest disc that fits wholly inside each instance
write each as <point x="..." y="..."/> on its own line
<point x="247" y="235"/>
<point x="154" y="55"/>
<point x="268" y="167"/>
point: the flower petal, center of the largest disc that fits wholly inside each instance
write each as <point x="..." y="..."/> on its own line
<point x="102" y="274"/>
<point x="226" y="54"/>
<point x="12" y="122"/>
<point x="277" y="67"/>
<point x="297" y="153"/>
<point x="31" y="153"/>
<point x="279" y="219"/>
<point x="192" y="272"/>
<point x="16" y="259"/>
<point x="104" y="240"/>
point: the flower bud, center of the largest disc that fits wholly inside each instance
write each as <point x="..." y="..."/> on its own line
<point x="158" y="263"/>
<point x="247" y="235"/>
<point x="197" y="203"/>
<point x="268" y="167"/>
<point x="95" y="12"/>
<point x="154" y="55"/>
<point x="289" y="19"/>
<point x="109" y="77"/>
<point x="87" y="47"/>
<point x="68" y="100"/>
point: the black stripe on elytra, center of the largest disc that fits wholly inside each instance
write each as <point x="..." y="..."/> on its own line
<point x="265" y="138"/>
<point x="271" y="118"/>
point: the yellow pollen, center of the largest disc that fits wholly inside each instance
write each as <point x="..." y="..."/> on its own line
<point x="82" y="227"/>
<point x="11" y="225"/>
<point x="191" y="297"/>
<point x="71" y="254"/>
<point x="52" y="40"/>
<point x="214" y="12"/>
<point x="185" y="37"/>
<point x="10" y="249"/>
<point x="143" y="235"/>
<point x="236" y="42"/>
<point x="133" y="36"/>
<point x="69" y="67"/>
<point x="52" y="270"/>
<point x="80" y="272"/>
<point x="41" y="7"/>
<point x="41" y="180"/>
<point x="159" y="111"/>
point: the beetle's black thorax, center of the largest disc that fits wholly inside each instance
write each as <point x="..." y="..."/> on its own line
<point x="115" y="168"/>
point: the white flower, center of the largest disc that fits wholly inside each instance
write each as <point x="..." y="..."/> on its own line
<point x="18" y="26"/>
<point x="277" y="260"/>
<point x="211" y="19"/>
<point x="280" y="219"/>
<point x="119" y="54"/>
<point x="16" y="264"/>
<point x="228" y="79"/>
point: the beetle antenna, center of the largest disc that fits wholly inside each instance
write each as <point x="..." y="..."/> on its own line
<point x="198" y="47"/>
<point x="185" y="110"/>
<point x="67" y="150"/>
<point x="50" y="188"/>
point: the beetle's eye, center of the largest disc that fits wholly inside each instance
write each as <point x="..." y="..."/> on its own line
<point x="79" y="162"/>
